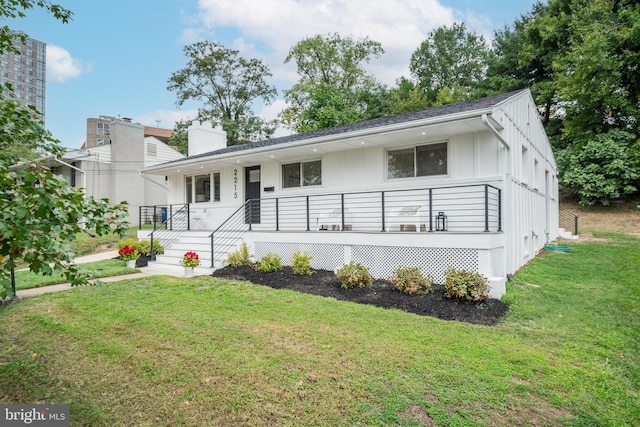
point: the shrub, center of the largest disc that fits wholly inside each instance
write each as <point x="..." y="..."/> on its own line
<point x="240" y="257"/>
<point x="142" y="246"/>
<point x="301" y="264"/>
<point x="465" y="284"/>
<point x="410" y="281"/>
<point x="127" y="242"/>
<point x="270" y="263"/>
<point x="354" y="275"/>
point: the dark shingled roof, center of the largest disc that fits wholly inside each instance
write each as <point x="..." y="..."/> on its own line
<point x="444" y="110"/>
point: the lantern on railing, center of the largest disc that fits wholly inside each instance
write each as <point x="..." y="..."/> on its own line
<point x="441" y="222"/>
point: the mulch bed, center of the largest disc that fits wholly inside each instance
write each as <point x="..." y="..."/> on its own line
<point x="380" y="294"/>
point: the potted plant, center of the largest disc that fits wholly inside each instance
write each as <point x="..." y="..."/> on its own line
<point x="189" y="261"/>
<point x="129" y="254"/>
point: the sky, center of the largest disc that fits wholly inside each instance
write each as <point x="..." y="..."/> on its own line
<point x="114" y="58"/>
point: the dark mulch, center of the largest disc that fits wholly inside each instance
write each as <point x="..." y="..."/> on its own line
<point x="381" y="294"/>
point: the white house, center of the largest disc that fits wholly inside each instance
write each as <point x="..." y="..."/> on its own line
<point x="109" y="165"/>
<point x="469" y="185"/>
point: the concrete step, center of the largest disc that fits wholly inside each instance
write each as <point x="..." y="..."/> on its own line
<point x="567" y="234"/>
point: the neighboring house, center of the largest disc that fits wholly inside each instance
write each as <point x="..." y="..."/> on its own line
<point x="469" y="185"/>
<point x="110" y="162"/>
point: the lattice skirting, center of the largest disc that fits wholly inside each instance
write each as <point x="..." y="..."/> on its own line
<point x="382" y="260"/>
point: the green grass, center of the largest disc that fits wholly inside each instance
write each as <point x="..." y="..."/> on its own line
<point x="204" y="351"/>
<point x="85" y="244"/>
<point x="25" y="279"/>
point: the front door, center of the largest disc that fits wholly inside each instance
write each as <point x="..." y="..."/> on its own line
<point x="252" y="192"/>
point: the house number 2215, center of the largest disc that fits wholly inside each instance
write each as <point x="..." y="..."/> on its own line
<point x="235" y="183"/>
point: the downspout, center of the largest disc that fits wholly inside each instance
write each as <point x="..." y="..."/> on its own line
<point x="508" y="193"/>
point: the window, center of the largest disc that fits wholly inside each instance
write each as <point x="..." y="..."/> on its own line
<point x="302" y="174"/>
<point x="102" y="141"/>
<point x="199" y="188"/>
<point x="422" y="160"/>
<point x="103" y="128"/>
<point x="152" y="150"/>
<point x="189" y="188"/>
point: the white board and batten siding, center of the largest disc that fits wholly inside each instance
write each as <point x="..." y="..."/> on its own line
<point x="507" y="159"/>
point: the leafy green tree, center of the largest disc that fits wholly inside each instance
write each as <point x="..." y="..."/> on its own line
<point x="227" y="85"/>
<point x="17" y="9"/>
<point x="39" y="213"/>
<point x="580" y="59"/>
<point x="180" y="137"/>
<point x="406" y="97"/>
<point x="598" y="77"/>
<point x="334" y="88"/>
<point x="604" y="168"/>
<point x="451" y="61"/>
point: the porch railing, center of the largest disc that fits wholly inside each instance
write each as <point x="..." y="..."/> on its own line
<point x="170" y="228"/>
<point x="157" y="215"/>
<point x="569" y="221"/>
<point x="467" y="208"/>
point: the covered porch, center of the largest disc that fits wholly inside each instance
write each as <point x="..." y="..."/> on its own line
<point x="432" y="228"/>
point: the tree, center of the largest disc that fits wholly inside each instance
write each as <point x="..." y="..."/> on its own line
<point x="406" y="96"/>
<point x="39" y="212"/>
<point x="450" y="61"/>
<point x="334" y="88"/>
<point x="603" y="168"/>
<point x="598" y="77"/>
<point x="580" y="59"/>
<point x="17" y="9"/>
<point x="227" y="85"/>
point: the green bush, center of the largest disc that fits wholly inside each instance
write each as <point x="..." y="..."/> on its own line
<point x="354" y="275"/>
<point x="605" y="168"/>
<point x="270" y="263"/>
<point x="240" y="257"/>
<point x="465" y="284"/>
<point x="410" y="281"/>
<point x="301" y="264"/>
<point x="142" y="246"/>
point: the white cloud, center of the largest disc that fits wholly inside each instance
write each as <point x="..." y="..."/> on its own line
<point x="274" y="26"/>
<point x="61" y="66"/>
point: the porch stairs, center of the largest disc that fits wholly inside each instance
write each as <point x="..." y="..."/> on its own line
<point x="197" y="241"/>
<point x="568" y="222"/>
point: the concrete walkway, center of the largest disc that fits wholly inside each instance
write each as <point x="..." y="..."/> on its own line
<point x="155" y="270"/>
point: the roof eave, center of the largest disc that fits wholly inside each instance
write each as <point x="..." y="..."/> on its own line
<point x="429" y="121"/>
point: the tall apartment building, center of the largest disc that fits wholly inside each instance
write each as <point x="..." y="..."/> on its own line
<point x="26" y="71"/>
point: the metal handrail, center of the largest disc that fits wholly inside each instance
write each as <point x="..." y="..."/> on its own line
<point x="568" y="220"/>
<point x="480" y="209"/>
<point x="235" y="226"/>
<point x="148" y="214"/>
<point x="170" y="229"/>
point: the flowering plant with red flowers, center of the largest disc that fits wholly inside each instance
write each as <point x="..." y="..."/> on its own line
<point x="190" y="259"/>
<point x="128" y="253"/>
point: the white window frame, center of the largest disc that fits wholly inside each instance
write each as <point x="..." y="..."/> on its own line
<point x="415" y="160"/>
<point x="301" y="174"/>
<point x="213" y="190"/>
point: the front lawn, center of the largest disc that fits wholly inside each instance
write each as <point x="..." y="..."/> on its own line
<point x="25" y="279"/>
<point x="207" y="351"/>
